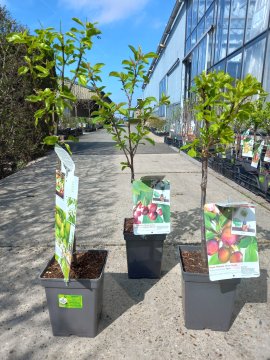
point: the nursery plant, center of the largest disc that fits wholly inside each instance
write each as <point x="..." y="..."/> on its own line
<point x="55" y="55"/>
<point x="74" y="305"/>
<point x="128" y="122"/>
<point x="220" y="100"/>
<point x="136" y="114"/>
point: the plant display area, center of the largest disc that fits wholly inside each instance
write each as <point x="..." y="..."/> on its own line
<point x="228" y="251"/>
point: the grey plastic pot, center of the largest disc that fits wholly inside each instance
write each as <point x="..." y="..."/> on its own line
<point x="86" y="295"/>
<point x="206" y="304"/>
<point x="144" y="255"/>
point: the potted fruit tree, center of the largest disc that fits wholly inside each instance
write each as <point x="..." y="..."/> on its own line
<point x="73" y="280"/>
<point x="129" y="123"/>
<point x="219" y="101"/>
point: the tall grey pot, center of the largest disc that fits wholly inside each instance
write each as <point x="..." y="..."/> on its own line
<point x="206" y="304"/>
<point x="144" y="255"/>
<point x="82" y="321"/>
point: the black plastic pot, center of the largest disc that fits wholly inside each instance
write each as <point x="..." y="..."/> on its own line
<point x="85" y="296"/>
<point x="144" y="255"/>
<point x="206" y="304"/>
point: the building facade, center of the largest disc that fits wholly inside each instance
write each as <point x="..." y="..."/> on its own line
<point x="229" y="35"/>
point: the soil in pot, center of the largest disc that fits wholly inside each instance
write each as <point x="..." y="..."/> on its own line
<point x="88" y="265"/>
<point x="128" y="225"/>
<point x="192" y="262"/>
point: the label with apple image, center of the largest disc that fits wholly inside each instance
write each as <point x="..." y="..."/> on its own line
<point x="151" y="211"/>
<point x="232" y="248"/>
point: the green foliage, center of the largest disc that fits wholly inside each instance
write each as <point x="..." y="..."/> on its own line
<point x="20" y="140"/>
<point x="128" y="137"/>
<point x="49" y="54"/>
<point x="220" y="101"/>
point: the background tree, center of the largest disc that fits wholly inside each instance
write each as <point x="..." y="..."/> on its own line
<point x="219" y="101"/>
<point x="20" y="140"/>
<point x="50" y="55"/>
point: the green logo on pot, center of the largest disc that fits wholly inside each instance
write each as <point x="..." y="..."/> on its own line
<point x="70" y="301"/>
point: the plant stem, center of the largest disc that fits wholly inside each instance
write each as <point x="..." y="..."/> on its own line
<point x="203" y="201"/>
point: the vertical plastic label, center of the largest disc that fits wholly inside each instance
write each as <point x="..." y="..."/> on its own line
<point x="70" y="301"/>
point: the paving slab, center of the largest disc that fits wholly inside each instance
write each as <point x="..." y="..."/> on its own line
<point x="141" y="319"/>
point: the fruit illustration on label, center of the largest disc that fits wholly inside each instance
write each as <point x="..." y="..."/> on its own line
<point x="236" y="257"/>
<point x="212" y="247"/>
<point x="224" y="254"/>
<point x="227" y="237"/>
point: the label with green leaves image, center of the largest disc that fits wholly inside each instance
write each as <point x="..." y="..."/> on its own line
<point x="151" y="211"/>
<point x="232" y="247"/>
<point x="65" y="211"/>
<point x="70" y="301"/>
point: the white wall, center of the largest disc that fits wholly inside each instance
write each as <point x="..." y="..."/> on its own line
<point x="174" y="50"/>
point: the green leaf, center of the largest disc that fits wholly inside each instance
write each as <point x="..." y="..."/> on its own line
<point x="51" y="140"/>
<point x="23" y="70"/>
<point x="73" y="138"/>
<point x="42" y="70"/>
<point x="68" y="148"/>
<point x="210" y="235"/>
<point x="246" y="241"/>
<point x="192" y="152"/>
<point x="151" y="141"/>
<point x="140" y="186"/>
<point x="78" y="21"/>
<point x="82" y="80"/>
<point x="166" y="212"/>
<point x="251" y="253"/>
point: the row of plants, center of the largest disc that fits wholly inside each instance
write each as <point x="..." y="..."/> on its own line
<point x="220" y="100"/>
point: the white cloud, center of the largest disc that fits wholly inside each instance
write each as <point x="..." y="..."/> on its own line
<point x="106" y="11"/>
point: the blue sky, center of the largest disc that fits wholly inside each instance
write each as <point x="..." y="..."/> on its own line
<point x="122" y="22"/>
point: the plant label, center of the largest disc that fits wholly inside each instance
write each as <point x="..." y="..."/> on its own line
<point x="70" y="301"/>
<point x="232" y="248"/>
<point x="151" y="211"/>
<point x="257" y="155"/>
<point x="248" y="147"/>
<point x="65" y="211"/>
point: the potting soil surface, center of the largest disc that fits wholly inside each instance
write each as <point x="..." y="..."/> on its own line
<point x="88" y="266"/>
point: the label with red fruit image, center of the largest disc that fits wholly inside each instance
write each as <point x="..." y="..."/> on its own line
<point x="232" y="248"/>
<point x="151" y="211"/>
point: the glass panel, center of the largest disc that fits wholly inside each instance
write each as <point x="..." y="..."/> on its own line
<point x="201" y="9"/>
<point x="253" y="60"/>
<point x="237" y="24"/>
<point x="200" y="29"/>
<point x="266" y="75"/>
<point x="188" y="47"/>
<point x="220" y="67"/>
<point x="194" y="63"/>
<point x="189" y="19"/>
<point x="210" y="50"/>
<point x="234" y="66"/>
<point x="208" y="3"/>
<point x="201" y="56"/>
<point x="162" y="90"/>
<point x="194" y="14"/>
<point x="258" y="17"/>
<point x="193" y="38"/>
<point x="222" y="29"/>
<point x="209" y="19"/>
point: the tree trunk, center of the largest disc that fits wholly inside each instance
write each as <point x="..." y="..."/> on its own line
<point x="203" y="201"/>
<point x="132" y="169"/>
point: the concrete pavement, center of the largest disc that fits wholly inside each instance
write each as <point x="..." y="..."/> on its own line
<point x="142" y="319"/>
